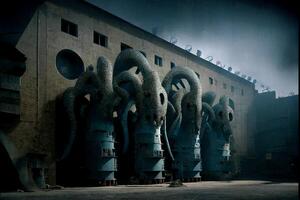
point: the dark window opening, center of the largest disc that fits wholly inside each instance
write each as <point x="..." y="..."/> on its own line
<point x="232" y="89"/>
<point x="172" y="65"/>
<point x="158" y="60"/>
<point x="224" y="85"/>
<point x="211" y="81"/>
<point x="69" y="27"/>
<point x="125" y="46"/>
<point x="242" y="92"/>
<point x="100" y="39"/>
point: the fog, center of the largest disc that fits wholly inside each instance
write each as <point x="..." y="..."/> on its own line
<point x="257" y="39"/>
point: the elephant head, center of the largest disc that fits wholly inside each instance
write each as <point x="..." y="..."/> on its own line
<point x="97" y="114"/>
<point x="186" y="104"/>
<point x="150" y="98"/>
<point x="216" y="135"/>
<point x="223" y="117"/>
<point x="153" y="100"/>
<point x="185" y="129"/>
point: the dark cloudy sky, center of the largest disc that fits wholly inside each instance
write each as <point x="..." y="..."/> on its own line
<point x="257" y="38"/>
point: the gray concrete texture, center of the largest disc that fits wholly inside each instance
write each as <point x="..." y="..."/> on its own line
<point x="210" y="190"/>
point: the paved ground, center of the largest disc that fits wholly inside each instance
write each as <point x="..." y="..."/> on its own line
<point x="209" y="190"/>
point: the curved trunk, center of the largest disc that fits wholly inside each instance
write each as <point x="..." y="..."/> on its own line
<point x="124" y="123"/>
<point x="167" y="140"/>
<point x="178" y="73"/>
<point x="130" y="58"/>
<point x="207" y="109"/>
<point x="209" y="97"/>
<point x="128" y="77"/>
<point x="68" y="103"/>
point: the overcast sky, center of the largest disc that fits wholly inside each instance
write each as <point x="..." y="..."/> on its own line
<point x="257" y="38"/>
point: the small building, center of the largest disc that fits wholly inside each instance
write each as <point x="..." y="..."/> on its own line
<point x="277" y="136"/>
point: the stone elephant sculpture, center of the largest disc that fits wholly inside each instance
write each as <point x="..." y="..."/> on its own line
<point x="150" y="99"/>
<point x="216" y="136"/>
<point x="89" y="107"/>
<point x="184" y="129"/>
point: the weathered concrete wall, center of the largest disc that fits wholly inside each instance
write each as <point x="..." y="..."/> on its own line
<point x="41" y="83"/>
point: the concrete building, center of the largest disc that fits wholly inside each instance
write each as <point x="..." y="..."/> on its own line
<point x="52" y="33"/>
<point x="277" y="136"/>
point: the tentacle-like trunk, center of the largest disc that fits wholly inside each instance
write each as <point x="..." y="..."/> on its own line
<point x="178" y="73"/>
<point x="167" y="140"/>
<point x="209" y="97"/>
<point x="69" y="105"/>
<point x="207" y="109"/>
<point x="128" y="77"/>
<point x="124" y="123"/>
<point x="130" y="58"/>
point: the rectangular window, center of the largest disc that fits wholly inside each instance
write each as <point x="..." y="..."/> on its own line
<point x="100" y="39"/>
<point x="172" y="65"/>
<point x="232" y="89"/>
<point x="158" y="60"/>
<point x="69" y="27"/>
<point x="211" y="80"/>
<point x="125" y="46"/>
<point x="242" y="92"/>
<point x="224" y="85"/>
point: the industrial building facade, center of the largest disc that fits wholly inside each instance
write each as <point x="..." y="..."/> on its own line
<point x="60" y="31"/>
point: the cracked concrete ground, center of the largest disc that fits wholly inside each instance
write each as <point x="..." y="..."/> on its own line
<point x="208" y="190"/>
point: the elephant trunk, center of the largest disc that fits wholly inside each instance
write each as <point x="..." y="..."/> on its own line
<point x="105" y="74"/>
<point x="167" y="140"/>
<point x="208" y="110"/>
<point x="128" y="77"/>
<point x="68" y="103"/>
<point x="124" y="123"/>
<point x="130" y="58"/>
<point x="178" y="73"/>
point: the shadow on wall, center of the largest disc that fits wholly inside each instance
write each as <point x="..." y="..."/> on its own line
<point x="9" y="180"/>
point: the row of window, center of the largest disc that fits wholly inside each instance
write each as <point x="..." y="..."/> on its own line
<point x="102" y="40"/>
<point x="211" y="81"/>
<point x="72" y="29"/>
